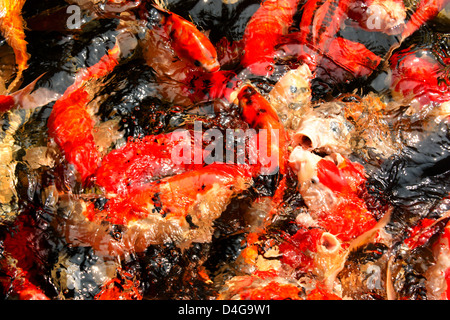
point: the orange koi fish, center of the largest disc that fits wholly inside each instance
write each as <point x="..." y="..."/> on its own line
<point x="140" y="161"/>
<point x="176" y="196"/>
<point x="12" y="28"/>
<point x="20" y="99"/>
<point x="71" y="125"/>
<point x="418" y="76"/>
<point x="189" y="43"/>
<point x="264" y="30"/>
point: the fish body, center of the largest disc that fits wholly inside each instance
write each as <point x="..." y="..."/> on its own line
<point x="188" y="43"/>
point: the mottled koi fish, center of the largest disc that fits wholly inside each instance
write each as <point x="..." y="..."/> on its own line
<point x="141" y="161"/>
<point x="321" y="20"/>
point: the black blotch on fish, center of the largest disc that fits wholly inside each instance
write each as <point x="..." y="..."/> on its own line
<point x="192" y="225"/>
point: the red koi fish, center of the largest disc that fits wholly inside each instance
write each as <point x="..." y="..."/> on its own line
<point x="350" y="217"/>
<point x="22" y="286"/>
<point x="320" y="22"/>
<point x="12" y="28"/>
<point x="202" y="87"/>
<point x="426" y="10"/>
<point x="189" y="43"/>
<point x="140" y="161"/>
<point x="181" y="207"/>
<point x="320" y="293"/>
<point x="317" y="43"/>
<point x="324" y="235"/>
<point x="346" y="59"/>
<point x="173" y="196"/>
<point x="19" y="258"/>
<point x="122" y="287"/>
<point x="255" y="287"/>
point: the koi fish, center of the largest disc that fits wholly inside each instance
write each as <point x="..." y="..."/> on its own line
<point x="425" y="11"/>
<point x="338" y="221"/>
<point x="428" y="234"/>
<point x="25" y="99"/>
<point x="320" y="22"/>
<point x="70" y="124"/>
<point x="256" y="287"/>
<point x="179" y="208"/>
<point x="21" y="286"/>
<point x="20" y="252"/>
<point x="338" y="208"/>
<point x="263" y="33"/>
<point x="12" y="28"/>
<point x="186" y="40"/>
<point x="329" y="56"/>
<point x="203" y="87"/>
<point x="260" y="115"/>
